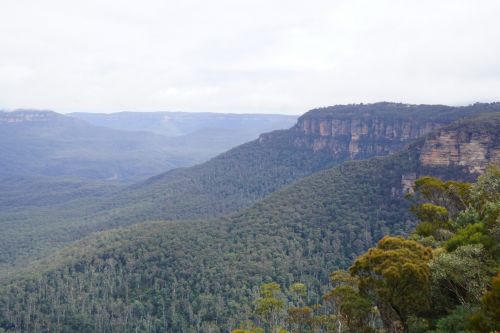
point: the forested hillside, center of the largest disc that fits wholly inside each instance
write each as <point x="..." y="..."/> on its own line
<point x="203" y="275"/>
<point x="182" y="276"/>
<point x="443" y="278"/>
<point x="229" y="182"/>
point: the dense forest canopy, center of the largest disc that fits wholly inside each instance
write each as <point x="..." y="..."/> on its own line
<point x="203" y="275"/>
<point x="445" y="277"/>
<point x="206" y="275"/>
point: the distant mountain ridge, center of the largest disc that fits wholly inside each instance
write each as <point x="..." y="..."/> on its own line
<point x="46" y="143"/>
<point x="21" y="115"/>
<point x="185" y="123"/>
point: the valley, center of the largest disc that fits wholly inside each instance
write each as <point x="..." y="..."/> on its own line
<point x="226" y="183"/>
<point x="293" y="205"/>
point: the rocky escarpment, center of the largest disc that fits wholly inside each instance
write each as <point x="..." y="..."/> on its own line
<point x="361" y="136"/>
<point x="366" y="130"/>
<point x="23" y="116"/>
<point x="462" y="151"/>
<point x="473" y="144"/>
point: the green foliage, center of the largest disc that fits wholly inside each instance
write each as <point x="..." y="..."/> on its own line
<point x="299" y="288"/>
<point x="451" y="195"/>
<point x="476" y="233"/>
<point x="395" y="275"/>
<point x="270" y="305"/>
<point x="352" y="312"/>
<point x="464" y="272"/>
<point x="270" y="290"/>
<point x="351" y="308"/>
<point x="256" y="330"/>
<point x="274" y="315"/>
<point x="299" y="293"/>
<point x="488" y="318"/>
<point x="342" y="278"/>
<point x="457" y="321"/>
<point x="434" y="220"/>
<point x="432" y="213"/>
<point x="487" y="187"/>
<point x="300" y="318"/>
<point x="466" y="217"/>
<point x="461" y="270"/>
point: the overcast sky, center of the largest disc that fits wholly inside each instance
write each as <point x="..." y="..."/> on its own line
<point x="245" y="56"/>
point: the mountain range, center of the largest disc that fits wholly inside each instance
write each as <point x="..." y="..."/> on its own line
<point x="292" y="205"/>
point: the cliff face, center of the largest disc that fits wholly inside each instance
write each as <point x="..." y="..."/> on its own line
<point x="361" y="136"/>
<point x="462" y="146"/>
<point x="23" y="116"/>
<point x="362" y="131"/>
<point x="467" y="145"/>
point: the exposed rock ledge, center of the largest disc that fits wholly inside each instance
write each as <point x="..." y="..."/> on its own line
<point x="359" y="137"/>
<point x="20" y="116"/>
<point x="462" y="147"/>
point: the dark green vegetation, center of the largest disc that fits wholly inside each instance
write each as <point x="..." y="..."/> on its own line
<point x="203" y="275"/>
<point x="445" y="278"/>
<point x="225" y="184"/>
<point x="189" y="276"/>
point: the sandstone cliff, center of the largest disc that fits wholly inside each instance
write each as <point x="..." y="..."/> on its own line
<point x="473" y="144"/>
<point x="360" y="137"/>
<point x="366" y="130"/>
<point x="360" y="131"/>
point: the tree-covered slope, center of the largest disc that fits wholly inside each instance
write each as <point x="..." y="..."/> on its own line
<point x="201" y="275"/>
<point x="230" y="182"/>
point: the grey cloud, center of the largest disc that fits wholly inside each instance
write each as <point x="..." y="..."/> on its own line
<point x="245" y="56"/>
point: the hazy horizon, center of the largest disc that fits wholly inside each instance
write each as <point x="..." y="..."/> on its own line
<point x="273" y="57"/>
<point x="231" y="113"/>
